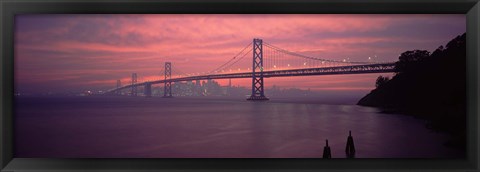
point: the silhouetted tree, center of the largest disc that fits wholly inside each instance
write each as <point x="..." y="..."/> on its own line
<point x="409" y="59"/>
<point x="381" y="80"/>
<point x="438" y="51"/>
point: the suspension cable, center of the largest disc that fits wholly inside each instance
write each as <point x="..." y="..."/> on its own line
<point x="309" y="57"/>
<point x="232" y="59"/>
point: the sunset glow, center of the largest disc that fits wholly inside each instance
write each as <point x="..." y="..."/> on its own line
<point x="61" y="53"/>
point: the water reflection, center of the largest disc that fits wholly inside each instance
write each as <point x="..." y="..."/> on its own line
<point x="183" y="127"/>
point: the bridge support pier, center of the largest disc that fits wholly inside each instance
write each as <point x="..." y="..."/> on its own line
<point x="147" y="90"/>
<point x="119" y="84"/>
<point x="257" y="71"/>
<point x="134" y="81"/>
<point x="167" y="89"/>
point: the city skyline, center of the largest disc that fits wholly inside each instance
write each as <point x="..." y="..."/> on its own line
<point x="90" y="52"/>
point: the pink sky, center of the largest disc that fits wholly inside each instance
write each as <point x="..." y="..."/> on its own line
<point x="56" y="53"/>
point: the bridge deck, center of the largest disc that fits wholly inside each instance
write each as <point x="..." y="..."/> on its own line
<point x="356" y="69"/>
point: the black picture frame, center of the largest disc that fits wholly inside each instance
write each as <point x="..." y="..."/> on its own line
<point x="9" y="8"/>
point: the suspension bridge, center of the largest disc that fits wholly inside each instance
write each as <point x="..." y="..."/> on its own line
<point x="268" y="61"/>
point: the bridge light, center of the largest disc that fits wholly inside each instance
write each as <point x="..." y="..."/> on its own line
<point x="369" y="58"/>
<point x="305" y="63"/>
<point x="288" y="64"/>
<point x="274" y="66"/>
<point x="323" y="62"/>
<point x="344" y="60"/>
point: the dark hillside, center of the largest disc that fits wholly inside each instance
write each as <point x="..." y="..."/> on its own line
<point x="430" y="86"/>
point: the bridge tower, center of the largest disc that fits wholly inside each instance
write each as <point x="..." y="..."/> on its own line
<point x="119" y="84"/>
<point x="257" y="71"/>
<point x="167" y="89"/>
<point x="147" y="90"/>
<point x="134" y="81"/>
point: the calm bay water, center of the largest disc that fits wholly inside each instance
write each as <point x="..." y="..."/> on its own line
<point x="138" y="127"/>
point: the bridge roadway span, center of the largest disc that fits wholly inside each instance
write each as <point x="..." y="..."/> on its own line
<point x="356" y="69"/>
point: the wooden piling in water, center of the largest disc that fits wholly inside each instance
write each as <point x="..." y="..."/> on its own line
<point x="350" y="149"/>
<point x="326" y="151"/>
